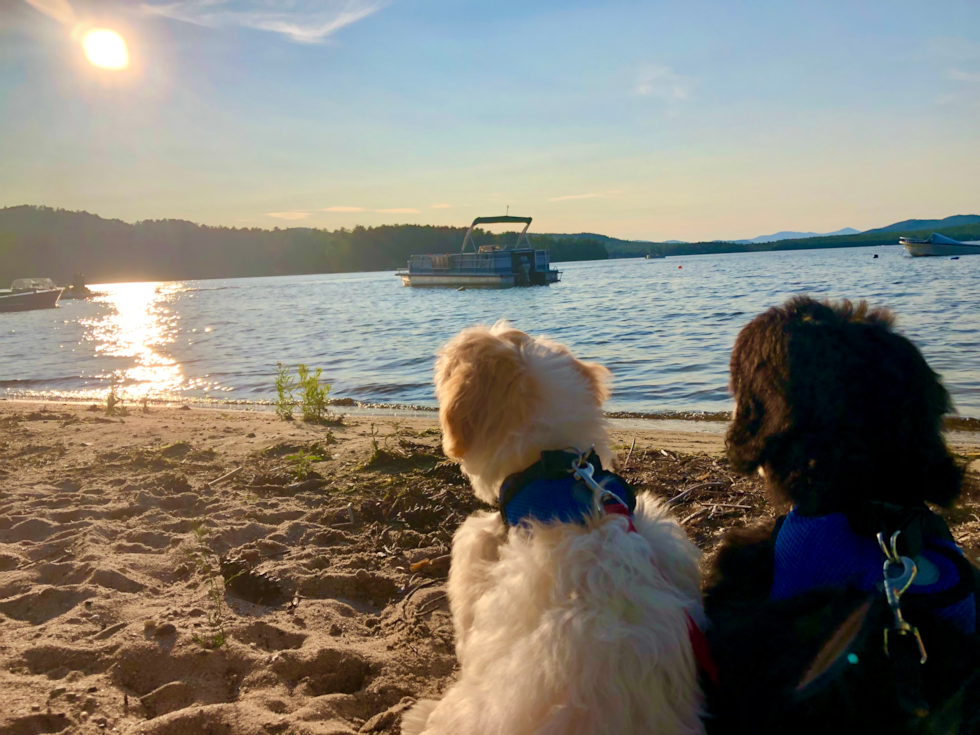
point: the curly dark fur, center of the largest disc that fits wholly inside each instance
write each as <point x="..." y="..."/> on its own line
<point x="741" y="573"/>
<point x="835" y="406"/>
<point x="837" y="409"/>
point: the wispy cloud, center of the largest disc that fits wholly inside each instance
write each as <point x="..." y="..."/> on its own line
<point x="304" y="21"/>
<point x="963" y="76"/>
<point x="441" y="206"/>
<point x="289" y="215"/>
<point x="664" y="84"/>
<point x="60" y="10"/>
<point x="591" y="195"/>
<point x="396" y="210"/>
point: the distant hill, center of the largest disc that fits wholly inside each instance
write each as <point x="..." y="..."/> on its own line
<point x="877" y="237"/>
<point x="54" y="243"/>
<point x="960" y="227"/>
<point x="924" y="224"/>
<point x="786" y="235"/>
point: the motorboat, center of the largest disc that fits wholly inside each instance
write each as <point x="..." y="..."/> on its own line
<point x="937" y="244"/>
<point x="487" y="266"/>
<point x="27" y="294"/>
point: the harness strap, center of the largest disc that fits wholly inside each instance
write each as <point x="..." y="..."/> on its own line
<point x="618" y="509"/>
<point x="702" y="652"/>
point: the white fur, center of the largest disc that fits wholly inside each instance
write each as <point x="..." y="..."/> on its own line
<point x="566" y="629"/>
<point x="566" y="415"/>
<point x="569" y="630"/>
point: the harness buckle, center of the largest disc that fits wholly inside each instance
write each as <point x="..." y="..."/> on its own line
<point x="583" y="471"/>
<point x="896" y="582"/>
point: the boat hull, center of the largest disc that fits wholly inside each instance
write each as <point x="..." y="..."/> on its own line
<point x="924" y="248"/>
<point x="29" y="300"/>
<point x="460" y="280"/>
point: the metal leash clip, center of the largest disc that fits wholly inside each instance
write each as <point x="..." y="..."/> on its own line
<point x="899" y="572"/>
<point x="583" y="471"/>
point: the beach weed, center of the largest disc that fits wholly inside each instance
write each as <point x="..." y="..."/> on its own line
<point x="313" y="393"/>
<point x="285" y="392"/>
<point x="208" y="565"/>
<point x="303" y="463"/>
<point x="113" y="403"/>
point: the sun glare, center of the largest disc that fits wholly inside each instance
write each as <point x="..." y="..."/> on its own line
<point x="106" y="49"/>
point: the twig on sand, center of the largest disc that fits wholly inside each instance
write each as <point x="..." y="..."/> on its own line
<point x="695" y="514"/>
<point x="421" y="564"/>
<point x="425" y="608"/>
<point x="226" y="476"/>
<point x="681" y="497"/>
<point x="630" y="455"/>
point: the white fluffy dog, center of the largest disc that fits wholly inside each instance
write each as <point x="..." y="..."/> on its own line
<point x="561" y="628"/>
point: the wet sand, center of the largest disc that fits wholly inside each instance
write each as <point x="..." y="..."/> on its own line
<point x="143" y="590"/>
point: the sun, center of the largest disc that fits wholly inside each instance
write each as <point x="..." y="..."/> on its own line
<point x="106" y="48"/>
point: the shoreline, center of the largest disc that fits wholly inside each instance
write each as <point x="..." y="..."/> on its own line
<point x="960" y="427"/>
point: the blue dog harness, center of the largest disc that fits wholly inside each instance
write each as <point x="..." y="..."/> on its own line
<point x="564" y="487"/>
<point x="814" y="552"/>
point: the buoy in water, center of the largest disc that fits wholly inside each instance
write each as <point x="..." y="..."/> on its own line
<point x="680" y="266"/>
<point x="876" y="255"/>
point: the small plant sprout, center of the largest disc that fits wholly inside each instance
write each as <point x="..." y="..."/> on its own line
<point x="113" y="403"/>
<point x="303" y="463"/>
<point x="208" y="565"/>
<point x="285" y="389"/>
<point x="313" y="393"/>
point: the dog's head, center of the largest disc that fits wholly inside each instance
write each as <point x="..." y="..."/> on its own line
<point x="504" y="397"/>
<point x="836" y="406"/>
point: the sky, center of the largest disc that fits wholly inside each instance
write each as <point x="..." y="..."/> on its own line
<point x="643" y="120"/>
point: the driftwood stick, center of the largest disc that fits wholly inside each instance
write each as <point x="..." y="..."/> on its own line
<point x="680" y="498"/>
<point x="630" y="455"/>
<point x="425" y="607"/>
<point x="695" y="514"/>
<point x="226" y="476"/>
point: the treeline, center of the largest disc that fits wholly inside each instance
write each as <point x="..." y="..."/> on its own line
<point x="55" y="243"/>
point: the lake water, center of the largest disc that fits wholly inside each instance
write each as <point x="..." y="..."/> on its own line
<point x="664" y="327"/>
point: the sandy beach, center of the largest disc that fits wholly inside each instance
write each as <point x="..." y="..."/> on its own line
<point x="186" y="570"/>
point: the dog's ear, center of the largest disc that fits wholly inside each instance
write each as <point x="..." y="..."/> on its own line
<point x="598" y="378"/>
<point x="483" y="387"/>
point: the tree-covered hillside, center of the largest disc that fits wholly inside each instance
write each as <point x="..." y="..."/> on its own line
<point x="54" y="243"/>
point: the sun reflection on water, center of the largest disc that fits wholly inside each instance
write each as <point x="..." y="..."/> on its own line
<point x="137" y="329"/>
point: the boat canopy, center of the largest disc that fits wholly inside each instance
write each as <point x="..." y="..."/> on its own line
<point x="942" y="239"/>
<point x="468" y="240"/>
<point x="32" y="284"/>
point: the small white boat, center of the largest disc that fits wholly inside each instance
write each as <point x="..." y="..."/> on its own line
<point x="488" y="266"/>
<point x="937" y="244"/>
<point x="27" y="294"/>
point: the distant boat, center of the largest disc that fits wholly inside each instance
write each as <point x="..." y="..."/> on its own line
<point x="488" y="266"/>
<point x="656" y="256"/>
<point x="937" y="244"/>
<point x="27" y="294"/>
